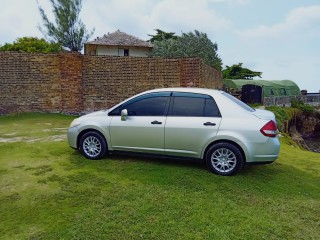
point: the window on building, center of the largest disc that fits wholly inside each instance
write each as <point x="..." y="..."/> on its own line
<point x="123" y="52"/>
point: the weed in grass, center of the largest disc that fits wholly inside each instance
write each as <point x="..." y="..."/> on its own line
<point x="19" y="166"/>
<point x="55" y="178"/>
<point x="39" y="170"/>
<point x="11" y="198"/>
<point x="36" y="234"/>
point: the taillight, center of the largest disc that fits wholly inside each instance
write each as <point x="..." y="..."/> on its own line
<point x="270" y="129"/>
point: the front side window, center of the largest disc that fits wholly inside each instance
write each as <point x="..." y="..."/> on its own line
<point x="153" y="104"/>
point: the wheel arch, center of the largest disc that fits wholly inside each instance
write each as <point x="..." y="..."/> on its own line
<point x="89" y="130"/>
<point x="225" y="141"/>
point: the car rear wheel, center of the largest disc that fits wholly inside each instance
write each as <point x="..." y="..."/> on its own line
<point x="93" y="145"/>
<point x="224" y="159"/>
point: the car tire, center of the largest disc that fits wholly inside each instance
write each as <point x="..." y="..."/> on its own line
<point x="93" y="145"/>
<point x="224" y="159"/>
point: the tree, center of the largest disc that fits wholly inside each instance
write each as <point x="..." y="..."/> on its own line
<point x="31" y="44"/>
<point x="68" y="29"/>
<point x="192" y="44"/>
<point x="236" y="71"/>
<point x="161" y="35"/>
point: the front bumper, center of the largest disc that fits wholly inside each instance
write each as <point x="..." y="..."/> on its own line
<point x="72" y="137"/>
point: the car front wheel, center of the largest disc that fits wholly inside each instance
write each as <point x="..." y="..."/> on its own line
<point x="224" y="159"/>
<point x="93" y="145"/>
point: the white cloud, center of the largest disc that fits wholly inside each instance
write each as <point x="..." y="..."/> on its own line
<point x="187" y="16"/>
<point x="13" y="19"/>
<point x="142" y="16"/>
<point x="231" y="1"/>
<point x="301" y="22"/>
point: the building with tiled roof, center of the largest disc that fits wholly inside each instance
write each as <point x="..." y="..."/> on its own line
<point x="118" y="44"/>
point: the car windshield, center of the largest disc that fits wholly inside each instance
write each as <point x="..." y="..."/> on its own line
<point x="237" y="101"/>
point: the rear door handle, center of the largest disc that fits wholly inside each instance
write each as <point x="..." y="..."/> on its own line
<point x="209" y="124"/>
<point x="156" y="122"/>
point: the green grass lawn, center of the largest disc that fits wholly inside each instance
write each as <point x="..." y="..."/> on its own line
<point x="49" y="191"/>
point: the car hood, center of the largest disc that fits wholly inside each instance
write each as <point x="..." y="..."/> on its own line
<point x="264" y="114"/>
<point x="95" y="114"/>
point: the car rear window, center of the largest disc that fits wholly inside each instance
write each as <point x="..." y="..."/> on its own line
<point x="239" y="102"/>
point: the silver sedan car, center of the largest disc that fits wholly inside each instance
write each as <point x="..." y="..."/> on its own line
<point x="182" y="122"/>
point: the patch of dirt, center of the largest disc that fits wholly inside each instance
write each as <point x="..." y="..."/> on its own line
<point x="309" y="143"/>
<point x="296" y="136"/>
<point x="313" y="144"/>
<point x="61" y="135"/>
<point x="55" y="130"/>
<point x="55" y="138"/>
<point x="13" y="139"/>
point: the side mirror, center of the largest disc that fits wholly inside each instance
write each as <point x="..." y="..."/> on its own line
<point x="124" y="114"/>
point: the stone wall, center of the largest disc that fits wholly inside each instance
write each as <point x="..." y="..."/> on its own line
<point x="312" y="100"/>
<point x="29" y="82"/>
<point x="71" y="83"/>
<point x="109" y="80"/>
<point x="75" y="83"/>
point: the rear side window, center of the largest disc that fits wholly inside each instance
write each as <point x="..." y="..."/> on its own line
<point x="193" y="105"/>
<point x="211" y="108"/>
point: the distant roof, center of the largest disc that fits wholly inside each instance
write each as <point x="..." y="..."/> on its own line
<point x="238" y="83"/>
<point x="119" y="38"/>
<point x="265" y="84"/>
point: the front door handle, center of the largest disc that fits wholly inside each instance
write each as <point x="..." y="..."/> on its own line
<point x="209" y="124"/>
<point x="156" y="122"/>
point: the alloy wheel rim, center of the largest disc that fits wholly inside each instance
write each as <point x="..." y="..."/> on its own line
<point x="223" y="160"/>
<point x="92" y="146"/>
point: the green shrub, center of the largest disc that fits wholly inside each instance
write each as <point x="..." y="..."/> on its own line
<point x="284" y="115"/>
<point x="306" y="109"/>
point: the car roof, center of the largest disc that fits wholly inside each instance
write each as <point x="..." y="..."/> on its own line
<point x="206" y="91"/>
<point x="186" y="89"/>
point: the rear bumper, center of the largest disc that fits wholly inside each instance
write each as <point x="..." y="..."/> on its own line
<point x="263" y="159"/>
<point x="266" y="152"/>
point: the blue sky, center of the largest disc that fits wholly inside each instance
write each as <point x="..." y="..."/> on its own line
<point x="279" y="38"/>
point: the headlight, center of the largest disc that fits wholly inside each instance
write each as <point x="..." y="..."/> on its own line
<point x="75" y="123"/>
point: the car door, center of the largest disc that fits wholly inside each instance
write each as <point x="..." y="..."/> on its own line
<point x="193" y="121"/>
<point x="143" y="129"/>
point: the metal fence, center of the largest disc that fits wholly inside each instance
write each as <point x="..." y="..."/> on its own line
<point x="285" y="101"/>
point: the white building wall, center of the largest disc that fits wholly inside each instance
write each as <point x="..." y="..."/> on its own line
<point x="114" y="51"/>
<point x="109" y="51"/>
